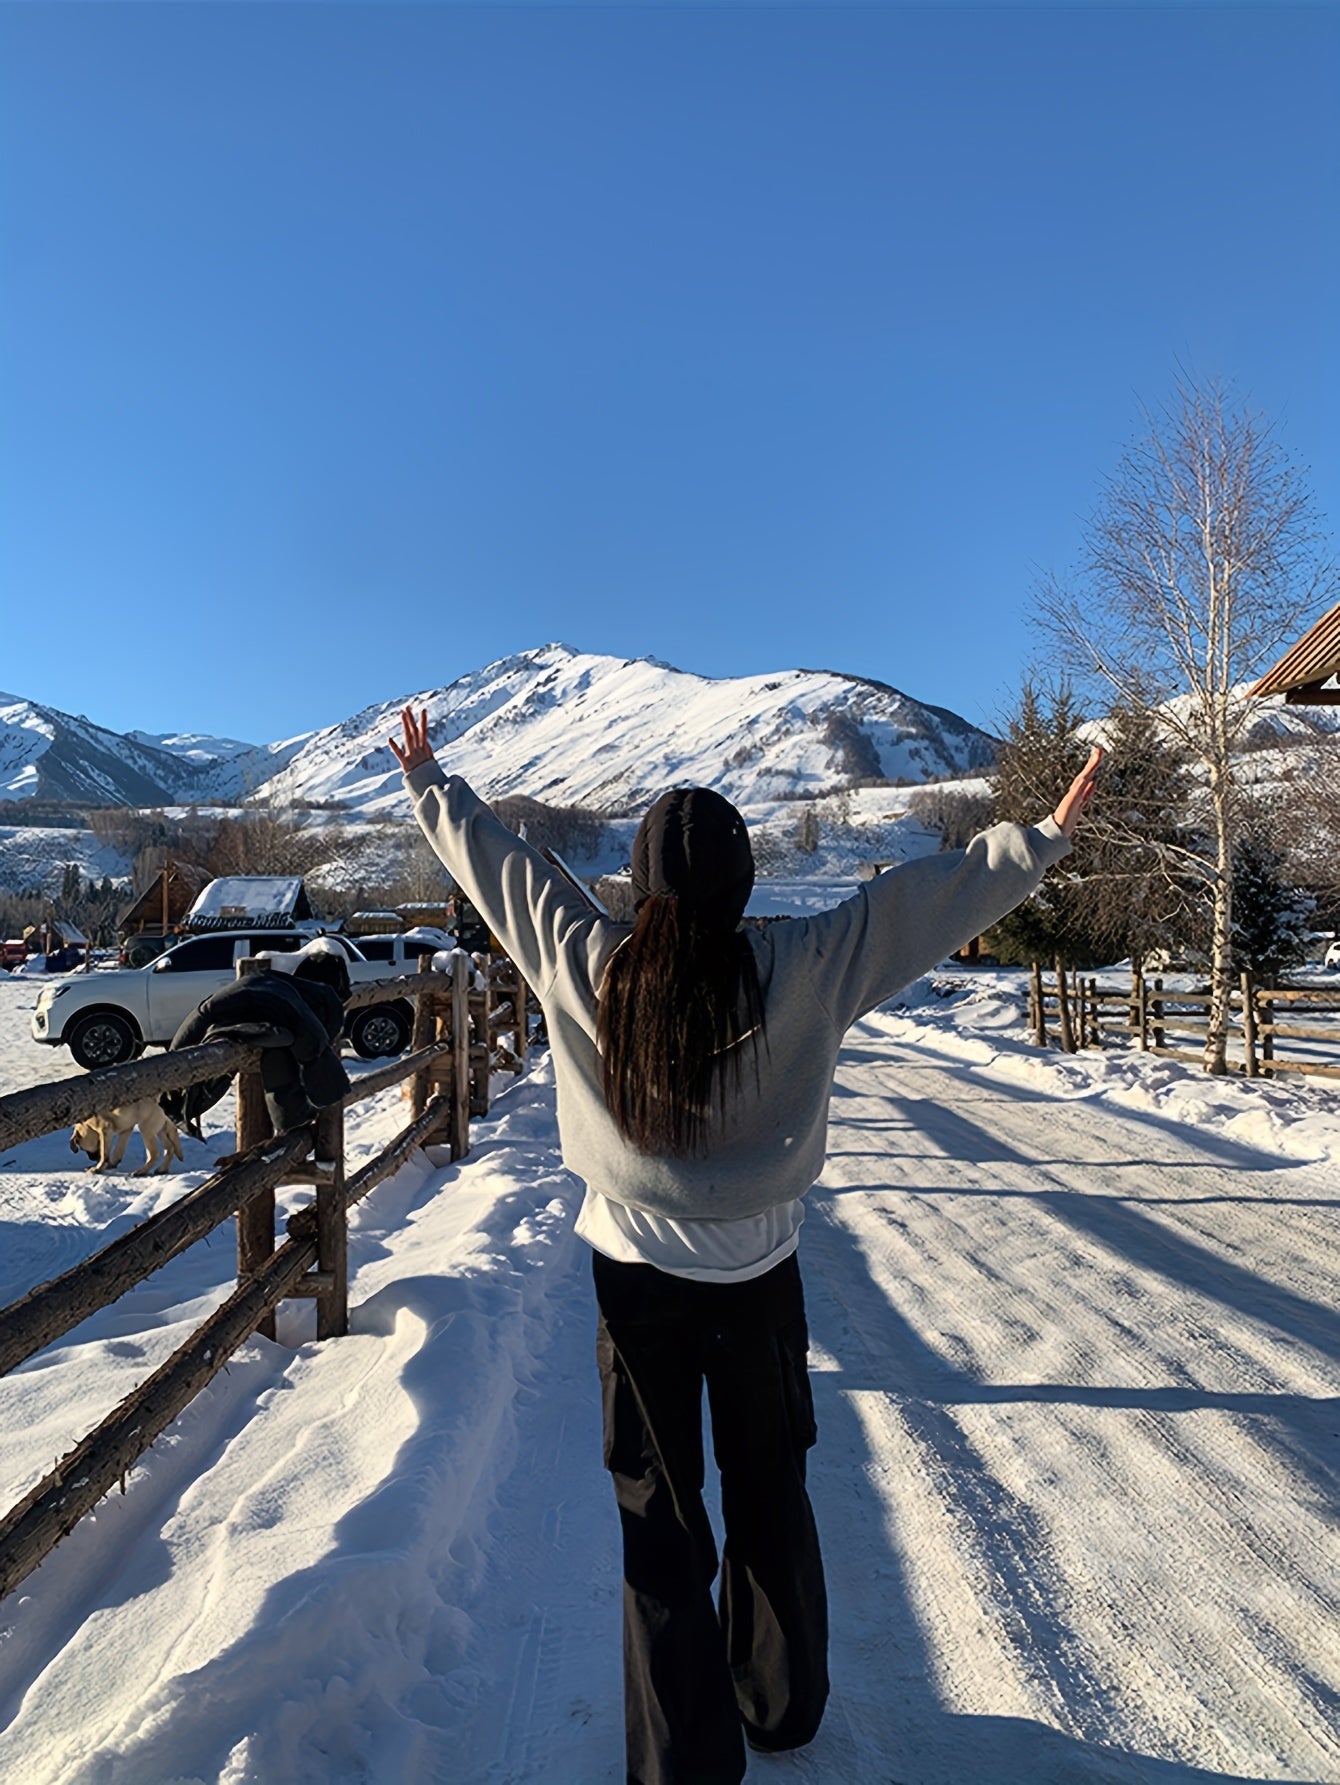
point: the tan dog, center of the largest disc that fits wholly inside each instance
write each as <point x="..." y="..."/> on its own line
<point x="107" y="1137"/>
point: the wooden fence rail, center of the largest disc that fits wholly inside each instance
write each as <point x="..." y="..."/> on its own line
<point x="52" y="1309"/>
<point x="42" y="1109"/>
<point x="54" y="1507"/>
<point x="1088" y="1015"/>
<point x="449" y="1069"/>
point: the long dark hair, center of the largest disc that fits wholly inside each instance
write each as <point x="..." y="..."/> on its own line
<point x="680" y="1012"/>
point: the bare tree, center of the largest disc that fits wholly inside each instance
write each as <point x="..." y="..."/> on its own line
<point x="958" y="813"/>
<point x="265" y="841"/>
<point x="1201" y="560"/>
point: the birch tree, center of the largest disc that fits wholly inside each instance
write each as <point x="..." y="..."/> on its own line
<point x="1201" y="561"/>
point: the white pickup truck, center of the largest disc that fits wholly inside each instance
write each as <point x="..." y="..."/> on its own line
<point x="104" y="1018"/>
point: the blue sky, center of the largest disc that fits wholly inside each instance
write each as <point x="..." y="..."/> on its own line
<point x="344" y="348"/>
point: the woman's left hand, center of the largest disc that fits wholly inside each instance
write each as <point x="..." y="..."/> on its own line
<point x="416" y="749"/>
<point x="1079" y="793"/>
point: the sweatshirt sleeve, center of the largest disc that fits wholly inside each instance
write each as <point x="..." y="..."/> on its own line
<point x="909" y="917"/>
<point x="533" y="910"/>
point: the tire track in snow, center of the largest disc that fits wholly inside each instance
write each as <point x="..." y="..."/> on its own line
<point x="959" y="1229"/>
<point x="1015" y="1574"/>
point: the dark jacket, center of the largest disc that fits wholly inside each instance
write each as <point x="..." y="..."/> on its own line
<point x="300" y="1069"/>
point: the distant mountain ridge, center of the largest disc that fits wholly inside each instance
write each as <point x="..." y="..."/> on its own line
<point x="562" y="725"/>
<point x="575" y="728"/>
<point x="48" y="755"/>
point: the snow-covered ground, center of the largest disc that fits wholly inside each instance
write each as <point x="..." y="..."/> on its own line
<point x="1077" y="1370"/>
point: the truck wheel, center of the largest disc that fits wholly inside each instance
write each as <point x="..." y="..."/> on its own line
<point x="102" y="1038"/>
<point x="378" y="1031"/>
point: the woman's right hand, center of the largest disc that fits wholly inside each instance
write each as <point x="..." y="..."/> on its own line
<point x="415" y="750"/>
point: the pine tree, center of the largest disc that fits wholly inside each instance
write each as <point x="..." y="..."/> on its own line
<point x="1270" y="915"/>
<point x="1141" y="893"/>
<point x="1042" y="753"/>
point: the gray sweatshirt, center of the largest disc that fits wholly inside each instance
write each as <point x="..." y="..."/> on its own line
<point x="817" y="974"/>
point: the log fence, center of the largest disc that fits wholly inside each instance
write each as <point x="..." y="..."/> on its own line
<point x="1162" y="1020"/>
<point x="446" y="1074"/>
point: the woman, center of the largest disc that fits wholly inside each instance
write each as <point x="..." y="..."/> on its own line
<point x="693" y="1064"/>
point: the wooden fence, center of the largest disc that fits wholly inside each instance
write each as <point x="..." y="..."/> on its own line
<point x="452" y="1053"/>
<point x="1081" y="1013"/>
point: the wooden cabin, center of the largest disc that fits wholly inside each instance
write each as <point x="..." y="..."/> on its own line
<point x="1308" y="674"/>
<point x="161" y="908"/>
<point x="429" y="914"/>
<point x="373" y="923"/>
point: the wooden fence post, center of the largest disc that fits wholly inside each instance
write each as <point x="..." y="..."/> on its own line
<point x="425" y="1032"/>
<point x="256" y="1218"/>
<point x="332" y="1226"/>
<point x="1248" y="1025"/>
<point x="1158" y="1013"/>
<point x="1095" y="1009"/>
<point x="1063" y="1010"/>
<point x="520" y="1000"/>
<point x="461" y="969"/>
<point x="1142" y="1011"/>
<point x="1040" y="1009"/>
<point x="1265" y="1015"/>
<point x="481" y="1049"/>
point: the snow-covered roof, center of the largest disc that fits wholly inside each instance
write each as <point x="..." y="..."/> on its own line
<point x="373" y="923"/>
<point x="249" y="898"/>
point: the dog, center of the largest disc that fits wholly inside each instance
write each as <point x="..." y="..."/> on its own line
<point x="104" y="1138"/>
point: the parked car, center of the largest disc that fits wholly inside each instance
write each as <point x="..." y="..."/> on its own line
<point x="104" y="1018"/>
<point x="404" y="949"/>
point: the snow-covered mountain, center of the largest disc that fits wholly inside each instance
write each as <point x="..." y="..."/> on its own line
<point x="573" y="728"/>
<point x="49" y="755"/>
<point x="562" y="725"/>
<point x="46" y="754"/>
<point x="195" y="747"/>
<point x="565" y="726"/>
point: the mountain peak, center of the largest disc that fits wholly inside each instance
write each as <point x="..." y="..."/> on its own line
<point x="566" y="726"/>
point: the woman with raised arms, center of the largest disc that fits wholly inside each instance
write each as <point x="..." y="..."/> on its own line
<point x="694" y="1061"/>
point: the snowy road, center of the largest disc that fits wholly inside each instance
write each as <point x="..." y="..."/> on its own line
<point x="1077" y="1373"/>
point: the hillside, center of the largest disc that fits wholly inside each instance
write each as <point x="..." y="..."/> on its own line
<point x="49" y="755"/>
<point x="570" y="727"/>
<point x="566" y="726"/>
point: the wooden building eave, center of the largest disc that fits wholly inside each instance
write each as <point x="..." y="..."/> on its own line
<point x="1303" y="672"/>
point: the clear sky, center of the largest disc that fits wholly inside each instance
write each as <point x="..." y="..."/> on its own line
<point x="347" y="347"/>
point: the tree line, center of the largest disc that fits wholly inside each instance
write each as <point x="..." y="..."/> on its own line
<point x="392" y="862"/>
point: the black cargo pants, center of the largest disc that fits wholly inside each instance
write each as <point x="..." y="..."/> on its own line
<point x="698" y="1678"/>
